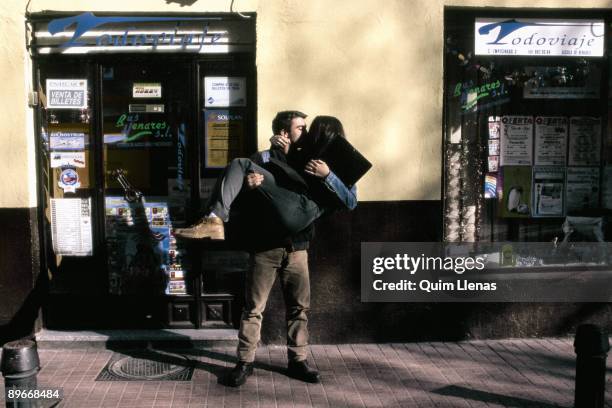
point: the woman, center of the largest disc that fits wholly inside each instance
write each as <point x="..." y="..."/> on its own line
<point x="296" y="185"/>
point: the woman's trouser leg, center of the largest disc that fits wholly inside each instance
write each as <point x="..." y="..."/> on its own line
<point x="229" y="185"/>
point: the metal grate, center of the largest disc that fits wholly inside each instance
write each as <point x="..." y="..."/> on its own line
<point x="149" y="365"/>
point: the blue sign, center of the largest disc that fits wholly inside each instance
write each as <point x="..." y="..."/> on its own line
<point x="86" y="22"/>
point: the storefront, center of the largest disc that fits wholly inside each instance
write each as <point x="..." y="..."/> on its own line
<point x="527" y="153"/>
<point x="482" y="124"/>
<point x="136" y="116"/>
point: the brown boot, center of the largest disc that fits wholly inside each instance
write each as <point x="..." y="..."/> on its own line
<point x="207" y="227"/>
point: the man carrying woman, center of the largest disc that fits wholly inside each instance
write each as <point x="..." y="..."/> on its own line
<point x="296" y="188"/>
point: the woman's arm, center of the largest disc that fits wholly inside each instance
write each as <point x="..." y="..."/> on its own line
<point x="320" y="169"/>
<point x="346" y="195"/>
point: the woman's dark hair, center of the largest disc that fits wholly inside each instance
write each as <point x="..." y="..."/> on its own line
<point x="323" y="130"/>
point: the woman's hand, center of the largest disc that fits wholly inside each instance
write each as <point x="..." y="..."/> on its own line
<point x="317" y="168"/>
<point x="281" y="141"/>
<point x="253" y="180"/>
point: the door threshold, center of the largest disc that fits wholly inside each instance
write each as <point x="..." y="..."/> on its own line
<point x="127" y="339"/>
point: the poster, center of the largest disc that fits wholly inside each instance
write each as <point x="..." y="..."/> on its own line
<point x="67" y="140"/>
<point x="558" y="83"/>
<point x="146" y="90"/>
<point x="224" y="91"/>
<point x="71" y="230"/>
<point x="548" y="188"/>
<point x="582" y="188"/>
<point x="66" y="94"/>
<point x="494" y="127"/>
<point x="494" y="147"/>
<point x="490" y="187"/>
<point x="550" y="141"/>
<point x="515" y="196"/>
<point x="224" y="137"/>
<point x="493" y="164"/>
<point x="67" y="159"/>
<point x="142" y="250"/>
<point x="584" y="141"/>
<point x="516" y="141"/>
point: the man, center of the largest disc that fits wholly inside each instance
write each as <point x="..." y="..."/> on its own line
<point x="273" y="254"/>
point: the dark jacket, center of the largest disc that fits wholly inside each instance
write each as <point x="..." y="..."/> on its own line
<point x="330" y="194"/>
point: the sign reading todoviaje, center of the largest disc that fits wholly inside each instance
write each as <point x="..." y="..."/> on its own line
<point x="572" y="38"/>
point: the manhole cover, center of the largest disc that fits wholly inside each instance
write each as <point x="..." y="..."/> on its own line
<point x="153" y="365"/>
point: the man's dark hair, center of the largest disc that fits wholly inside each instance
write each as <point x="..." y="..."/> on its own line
<point x="282" y="120"/>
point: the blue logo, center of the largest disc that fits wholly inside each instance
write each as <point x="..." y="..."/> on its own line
<point x="87" y="21"/>
<point x="69" y="177"/>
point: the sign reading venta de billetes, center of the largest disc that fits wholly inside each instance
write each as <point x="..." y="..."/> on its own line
<point x="66" y="93"/>
<point x="572" y="38"/>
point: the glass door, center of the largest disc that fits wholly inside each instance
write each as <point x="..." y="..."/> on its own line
<point x="146" y="111"/>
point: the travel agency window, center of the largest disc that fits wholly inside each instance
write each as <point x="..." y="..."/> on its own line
<point x="137" y="115"/>
<point x="527" y="141"/>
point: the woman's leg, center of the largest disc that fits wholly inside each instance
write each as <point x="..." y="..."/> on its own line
<point x="293" y="211"/>
<point x="230" y="184"/>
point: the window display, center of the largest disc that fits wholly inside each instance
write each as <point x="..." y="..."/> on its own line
<point x="525" y="110"/>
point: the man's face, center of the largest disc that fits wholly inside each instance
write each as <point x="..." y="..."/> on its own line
<point x="298" y="127"/>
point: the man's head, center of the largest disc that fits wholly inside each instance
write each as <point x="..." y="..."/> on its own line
<point x="290" y="124"/>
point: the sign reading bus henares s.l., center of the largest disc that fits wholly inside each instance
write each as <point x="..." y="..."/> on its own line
<point x="87" y="32"/>
<point x="530" y="37"/>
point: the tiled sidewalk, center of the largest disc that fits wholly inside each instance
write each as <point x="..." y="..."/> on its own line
<point x="492" y="373"/>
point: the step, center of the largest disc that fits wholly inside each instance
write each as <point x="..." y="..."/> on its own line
<point x="126" y="339"/>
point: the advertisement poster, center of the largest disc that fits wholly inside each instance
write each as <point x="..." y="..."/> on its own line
<point x="582" y="188"/>
<point x="550" y="141"/>
<point x="494" y="147"/>
<point x="67" y="159"/>
<point x="71" y="230"/>
<point x="142" y="251"/>
<point x="221" y="92"/>
<point x="516" y="141"/>
<point x="548" y="188"/>
<point x="515" y="196"/>
<point x="146" y="90"/>
<point x="67" y="141"/>
<point x="66" y="94"/>
<point x="494" y="127"/>
<point x="224" y="133"/>
<point x="584" y="141"/>
<point x="493" y="164"/>
<point x="490" y="187"/>
<point x="558" y="83"/>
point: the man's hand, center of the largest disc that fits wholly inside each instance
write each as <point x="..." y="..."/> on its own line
<point x="253" y="180"/>
<point x="281" y="141"/>
<point x="317" y="168"/>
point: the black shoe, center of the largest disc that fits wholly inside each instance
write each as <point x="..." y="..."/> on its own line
<point x="239" y="374"/>
<point x="300" y="371"/>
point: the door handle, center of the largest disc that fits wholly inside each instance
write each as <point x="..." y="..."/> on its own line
<point x="130" y="193"/>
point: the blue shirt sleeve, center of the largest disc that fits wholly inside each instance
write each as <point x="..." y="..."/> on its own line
<point x="346" y="195"/>
<point x="260" y="158"/>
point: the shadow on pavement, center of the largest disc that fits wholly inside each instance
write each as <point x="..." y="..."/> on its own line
<point x="484" y="396"/>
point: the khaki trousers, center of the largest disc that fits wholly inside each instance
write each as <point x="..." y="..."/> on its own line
<point x="292" y="269"/>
